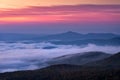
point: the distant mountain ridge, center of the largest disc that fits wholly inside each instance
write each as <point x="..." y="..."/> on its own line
<point x="113" y="41"/>
<point x="70" y="36"/>
<point x="67" y="36"/>
<point x="73" y="38"/>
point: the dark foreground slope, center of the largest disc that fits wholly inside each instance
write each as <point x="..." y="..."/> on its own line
<point x="79" y="58"/>
<point x="112" y="62"/>
<point x="64" y="72"/>
<point x="71" y="72"/>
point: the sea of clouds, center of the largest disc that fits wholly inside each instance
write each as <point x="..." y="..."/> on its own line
<point x="29" y="56"/>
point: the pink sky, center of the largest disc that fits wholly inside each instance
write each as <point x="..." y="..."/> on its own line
<point x="68" y="13"/>
<point x="49" y="19"/>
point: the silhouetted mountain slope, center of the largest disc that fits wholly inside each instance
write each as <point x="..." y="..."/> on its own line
<point x="64" y="72"/>
<point x="112" y="61"/>
<point x="79" y="59"/>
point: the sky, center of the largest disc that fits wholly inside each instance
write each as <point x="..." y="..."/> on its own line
<point x="54" y="16"/>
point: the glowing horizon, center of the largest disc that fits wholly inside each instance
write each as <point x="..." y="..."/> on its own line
<point x="45" y="15"/>
<point x="26" y="3"/>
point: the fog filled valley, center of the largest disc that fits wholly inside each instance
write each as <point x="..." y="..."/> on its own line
<point x="22" y="56"/>
<point x="65" y="51"/>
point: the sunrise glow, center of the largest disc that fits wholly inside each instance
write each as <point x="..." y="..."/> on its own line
<point x="60" y="13"/>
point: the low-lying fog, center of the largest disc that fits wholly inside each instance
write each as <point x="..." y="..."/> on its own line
<point x="29" y="56"/>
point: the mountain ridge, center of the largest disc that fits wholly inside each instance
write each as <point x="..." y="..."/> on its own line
<point x="78" y="36"/>
<point x="79" y="58"/>
<point x="112" y="61"/>
<point x="66" y="36"/>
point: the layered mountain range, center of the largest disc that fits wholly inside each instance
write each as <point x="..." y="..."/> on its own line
<point x="67" y="38"/>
